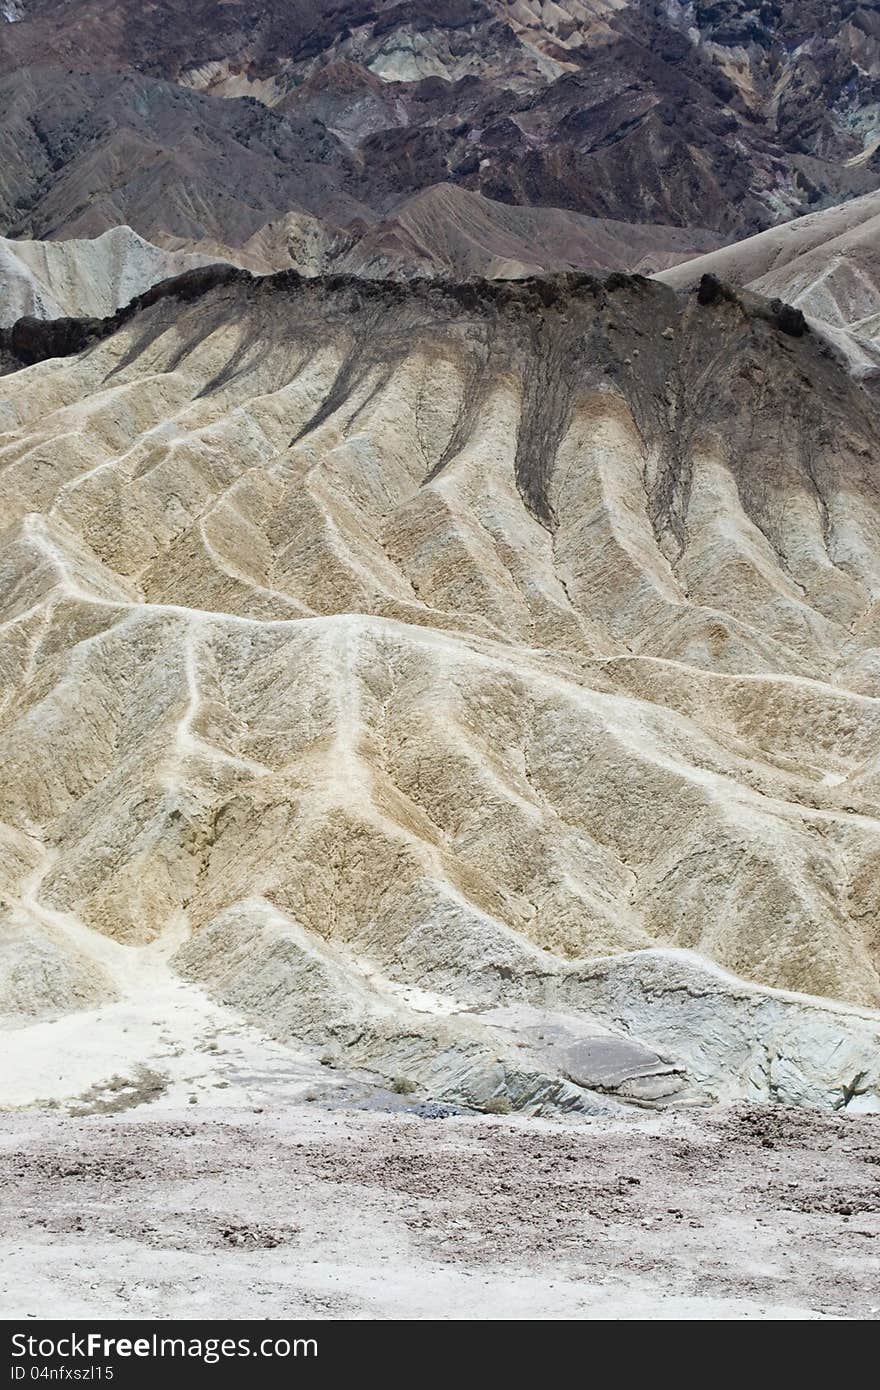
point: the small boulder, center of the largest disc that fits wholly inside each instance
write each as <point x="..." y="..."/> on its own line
<point x="788" y="319"/>
<point x="710" y="290"/>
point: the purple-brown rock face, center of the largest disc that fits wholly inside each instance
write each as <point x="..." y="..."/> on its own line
<point x="198" y="120"/>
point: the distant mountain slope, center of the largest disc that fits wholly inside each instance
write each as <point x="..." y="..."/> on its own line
<point x="94" y="151"/>
<point x="450" y="230"/>
<point x="53" y="279"/>
<point x="443" y="231"/>
<point x="206" y="119"/>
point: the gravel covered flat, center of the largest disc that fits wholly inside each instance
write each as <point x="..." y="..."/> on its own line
<point x="315" y="1212"/>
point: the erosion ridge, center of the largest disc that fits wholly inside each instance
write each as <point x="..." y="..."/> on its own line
<point x="31" y="339"/>
<point x="304" y="705"/>
<point x="524" y="303"/>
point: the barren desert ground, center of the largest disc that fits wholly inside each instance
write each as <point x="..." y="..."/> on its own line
<point x="344" y="1213"/>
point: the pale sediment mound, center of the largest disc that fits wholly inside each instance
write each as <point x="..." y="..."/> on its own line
<point x="468" y="667"/>
<point x="826" y="264"/>
<point x="82" y="278"/>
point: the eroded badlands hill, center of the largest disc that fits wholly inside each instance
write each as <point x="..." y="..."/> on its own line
<point x="461" y="677"/>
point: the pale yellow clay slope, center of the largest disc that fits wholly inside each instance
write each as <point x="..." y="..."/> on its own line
<point x="324" y="653"/>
